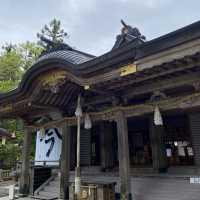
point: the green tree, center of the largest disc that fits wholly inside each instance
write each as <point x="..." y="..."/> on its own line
<point x="53" y="31"/>
<point x="10" y="62"/>
<point x="11" y="152"/>
<point x="29" y="52"/>
<point x="14" y="61"/>
<point x="7" y="85"/>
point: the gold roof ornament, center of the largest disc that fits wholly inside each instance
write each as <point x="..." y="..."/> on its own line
<point x="128" y="69"/>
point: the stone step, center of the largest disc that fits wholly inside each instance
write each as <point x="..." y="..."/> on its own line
<point x="40" y="197"/>
<point x="47" y="194"/>
<point x="144" y="188"/>
<point x="50" y="189"/>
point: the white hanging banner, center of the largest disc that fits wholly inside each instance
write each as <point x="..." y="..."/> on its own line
<point x="158" y="121"/>
<point x="48" y="147"/>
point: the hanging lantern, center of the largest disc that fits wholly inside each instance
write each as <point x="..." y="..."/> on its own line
<point x="79" y="111"/>
<point x="87" y="122"/>
<point x="158" y="121"/>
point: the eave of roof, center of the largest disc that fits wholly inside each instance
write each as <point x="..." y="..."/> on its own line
<point x="114" y="58"/>
<point x="170" y="40"/>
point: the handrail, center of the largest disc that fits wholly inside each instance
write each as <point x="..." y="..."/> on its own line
<point x="5" y="174"/>
<point x="44" y="184"/>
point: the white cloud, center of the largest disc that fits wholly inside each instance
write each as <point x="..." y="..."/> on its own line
<point x="94" y="24"/>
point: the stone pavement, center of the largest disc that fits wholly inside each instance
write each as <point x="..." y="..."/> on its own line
<point x="24" y="198"/>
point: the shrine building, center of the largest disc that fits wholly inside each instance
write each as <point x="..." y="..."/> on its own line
<point x="142" y="102"/>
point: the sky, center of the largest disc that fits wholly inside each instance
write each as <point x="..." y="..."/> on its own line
<point x="93" y="25"/>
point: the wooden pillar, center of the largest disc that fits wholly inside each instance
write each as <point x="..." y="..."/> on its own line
<point x="65" y="162"/>
<point x="159" y="158"/>
<point x="107" y="153"/>
<point x="123" y="154"/>
<point x="25" y="169"/>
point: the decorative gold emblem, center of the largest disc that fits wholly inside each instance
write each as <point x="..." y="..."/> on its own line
<point x="53" y="78"/>
<point x="128" y="69"/>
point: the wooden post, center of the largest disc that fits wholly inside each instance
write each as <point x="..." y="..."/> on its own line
<point x="65" y="163"/>
<point x="123" y="152"/>
<point x="25" y="171"/>
<point x="158" y="147"/>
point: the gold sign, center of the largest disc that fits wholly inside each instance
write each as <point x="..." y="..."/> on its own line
<point x="128" y="69"/>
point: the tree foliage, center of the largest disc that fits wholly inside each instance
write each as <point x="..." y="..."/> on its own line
<point x="15" y="60"/>
<point x="29" y="52"/>
<point x="11" y="152"/>
<point x="10" y="62"/>
<point x="53" y="31"/>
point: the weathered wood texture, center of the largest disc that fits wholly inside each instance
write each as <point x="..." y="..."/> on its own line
<point x="123" y="154"/>
<point x="127" y="87"/>
<point x="65" y="162"/>
<point x="183" y="103"/>
<point x="25" y="170"/>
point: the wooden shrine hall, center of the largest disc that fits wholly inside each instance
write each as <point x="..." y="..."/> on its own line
<point x="143" y="98"/>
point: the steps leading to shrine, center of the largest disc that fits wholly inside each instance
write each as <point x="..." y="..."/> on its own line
<point x="144" y="188"/>
<point x="50" y="191"/>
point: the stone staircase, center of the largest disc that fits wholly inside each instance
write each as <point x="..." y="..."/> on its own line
<point x="144" y="188"/>
<point x="50" y="191"/>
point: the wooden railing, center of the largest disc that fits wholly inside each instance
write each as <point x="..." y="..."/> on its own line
<point x="6" y="175"/>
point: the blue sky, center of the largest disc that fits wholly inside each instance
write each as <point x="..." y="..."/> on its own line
<point x="94" y="24"/>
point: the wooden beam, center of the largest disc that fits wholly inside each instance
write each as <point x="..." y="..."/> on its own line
<point x="164" y="84"/>
<point x="150" y="86"/>
<point x="135" y="78"/>
<point x="177" y="103"/>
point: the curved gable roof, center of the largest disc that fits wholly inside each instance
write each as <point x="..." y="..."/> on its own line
<point x="73" y="57"/>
